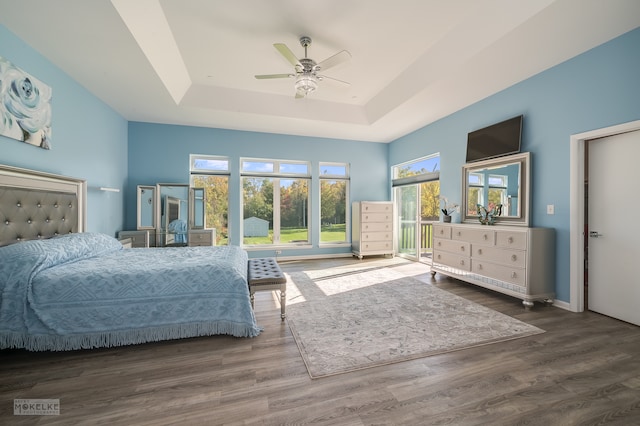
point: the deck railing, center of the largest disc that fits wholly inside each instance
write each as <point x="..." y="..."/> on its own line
<point x="407" y="241"/>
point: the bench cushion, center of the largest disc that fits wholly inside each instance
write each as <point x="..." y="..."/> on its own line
<point x="265" y="271"/>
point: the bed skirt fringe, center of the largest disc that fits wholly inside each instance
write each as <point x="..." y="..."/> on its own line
<point x="107" y="339"/>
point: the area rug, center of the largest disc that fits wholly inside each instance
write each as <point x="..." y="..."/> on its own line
<point x="366" y="318"/>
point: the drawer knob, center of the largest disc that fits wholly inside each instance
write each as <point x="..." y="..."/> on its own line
<point x="514" y="257"/>
<point x="479" y="251"/>
<point x="439" y="244"/>
<point x="461" y="248"/>
<point x="480" y="266"/>
<point x="439" y="256"/>
<point x="462" y="262"/>
<point x="486" y="237"/>
<point x="510" y="240"/>
<point x="514" y="275"/>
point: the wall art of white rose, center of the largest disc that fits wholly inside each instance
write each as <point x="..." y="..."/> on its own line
<point x="25" y="106"/>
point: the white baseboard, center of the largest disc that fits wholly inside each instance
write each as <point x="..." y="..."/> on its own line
<point x="563" y="305"/>
<point x="313" y="256"/>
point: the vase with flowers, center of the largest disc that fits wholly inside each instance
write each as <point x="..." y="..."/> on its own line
<point x="447" y="209"/>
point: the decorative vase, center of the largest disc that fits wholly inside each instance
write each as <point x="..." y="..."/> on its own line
<point x="446" y="219"/>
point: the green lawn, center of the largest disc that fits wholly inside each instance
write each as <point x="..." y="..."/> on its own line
<point x="329" y="233"/>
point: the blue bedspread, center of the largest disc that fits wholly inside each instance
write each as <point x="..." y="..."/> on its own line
<point x="85" y="291"/>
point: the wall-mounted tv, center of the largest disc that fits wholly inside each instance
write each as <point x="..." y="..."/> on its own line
<point x="495" y="141"/>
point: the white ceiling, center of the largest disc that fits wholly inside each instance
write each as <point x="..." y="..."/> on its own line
<point x="413" y="62"/>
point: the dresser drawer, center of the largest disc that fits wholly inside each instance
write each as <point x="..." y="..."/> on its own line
<point x="515" y="258"/>
<point x="500" y="272"/>
<point x="377" y="207"/>
<point x="453" y="260"/>
<point x="376" y="217"/>
<point x="511" y="239"/>
<point x="442" y="231"/>
<point x="473" y="235"/>
<point x="138" y="238"/>
<point x="377" y="227"/>
<point x="376" y="246"/>
<point x="200" y="238"/>
<point x="461" y="248"/>
<point x="376" y="236"/>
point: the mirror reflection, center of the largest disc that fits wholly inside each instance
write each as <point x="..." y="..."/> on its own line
<point x="197" y="208"/>
<point x="146" y="207"/>
<point x="174" y="215"/>
<point x="500" y="181"/>
<point x="494" y="186"/>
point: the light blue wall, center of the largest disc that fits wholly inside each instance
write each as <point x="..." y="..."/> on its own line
<point x="160" y="154"/>
<point x="597" y="89"/>
<point x="89" y="138"/>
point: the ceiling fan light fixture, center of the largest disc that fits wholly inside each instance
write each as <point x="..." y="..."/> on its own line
<point x="306" y="83"/>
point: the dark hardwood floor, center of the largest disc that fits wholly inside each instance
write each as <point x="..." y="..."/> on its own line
<point x="585" y="370"/>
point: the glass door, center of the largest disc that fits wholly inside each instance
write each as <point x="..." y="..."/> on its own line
<point x="407" y="208"/>
<point x="418" y="207"/>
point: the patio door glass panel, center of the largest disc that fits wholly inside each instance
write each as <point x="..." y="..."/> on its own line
<point x="407" y="206"/>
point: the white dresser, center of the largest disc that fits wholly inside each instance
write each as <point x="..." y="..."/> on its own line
<point x="372" y="228"/>
<point x="517" y="261"/>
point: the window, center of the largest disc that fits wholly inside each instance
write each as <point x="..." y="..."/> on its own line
<point x="212" y="174"/>
<point x="497" y="190"/>
<point x="275" y="201"/>
<point x="334" y="193"/>
<point x="416" y="193"/>
<point x="426" y="172"/>
<point x="487" y="190"/>
<point x="476" y="192"/>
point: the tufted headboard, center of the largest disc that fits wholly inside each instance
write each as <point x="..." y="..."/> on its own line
<point x="39" y="205"/>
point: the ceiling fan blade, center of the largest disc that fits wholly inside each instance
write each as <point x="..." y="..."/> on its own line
<point x="322" y="77"/>
<point x="265" y="76"/>
<point x="288" y="54"/>
<point x="334" y="60"/>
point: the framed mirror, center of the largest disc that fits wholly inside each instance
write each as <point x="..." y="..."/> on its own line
<point x="172" y="214"/>
<point x="504" y="180"/>
<point x="197" y="211"/>
<point x="146" y="216"/>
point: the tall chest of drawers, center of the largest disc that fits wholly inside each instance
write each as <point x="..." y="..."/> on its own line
<point x="372" y="228"/>
<point x="516" y="261"/>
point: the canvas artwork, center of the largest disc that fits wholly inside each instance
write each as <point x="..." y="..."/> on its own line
<point x="25" y="106"/>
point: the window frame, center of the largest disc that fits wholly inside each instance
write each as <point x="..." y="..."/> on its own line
<point x="276" y="175"/>
<point x="195" y="172"/>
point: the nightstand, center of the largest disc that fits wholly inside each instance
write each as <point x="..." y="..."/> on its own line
<point x="138" y="238"/>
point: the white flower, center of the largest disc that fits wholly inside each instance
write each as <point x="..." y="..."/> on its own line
<point x="447" y="207"/>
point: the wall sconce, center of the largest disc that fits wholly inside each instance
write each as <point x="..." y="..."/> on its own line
<point x="106" y="188"/>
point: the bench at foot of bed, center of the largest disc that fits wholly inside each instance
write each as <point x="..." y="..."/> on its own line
<point x="265" y="274"/>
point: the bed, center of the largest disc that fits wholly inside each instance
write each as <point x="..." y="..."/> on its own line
<point x="62" y="288"/>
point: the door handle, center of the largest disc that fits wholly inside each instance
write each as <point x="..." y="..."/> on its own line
<point x="594" y="234"/>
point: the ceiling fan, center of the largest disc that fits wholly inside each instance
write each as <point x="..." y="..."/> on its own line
<point x="306" y="69"/>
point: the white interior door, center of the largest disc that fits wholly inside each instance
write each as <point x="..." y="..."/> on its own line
<point x="614" y="228"/>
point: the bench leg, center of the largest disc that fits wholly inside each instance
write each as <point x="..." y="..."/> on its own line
<point x="283" y="302"/>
